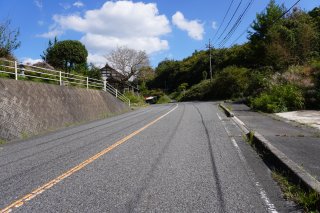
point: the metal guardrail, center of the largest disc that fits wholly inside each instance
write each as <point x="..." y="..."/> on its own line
<point x="27" y="72"/>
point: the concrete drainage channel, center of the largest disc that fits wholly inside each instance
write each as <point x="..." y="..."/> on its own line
<point x="275" y="159"/>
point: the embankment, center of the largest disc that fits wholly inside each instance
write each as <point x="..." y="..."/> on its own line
<point x="29" y="108"/>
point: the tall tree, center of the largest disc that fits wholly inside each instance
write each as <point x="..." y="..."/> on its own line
<point x="293" y="42"/>
<point x="315" y="14"/>
<point x="50" y="45"/>
<point x="145" y="74"/>
<point x="67" y="55"/>
<point x="166" y="75"/>
<point x="128" y="61"/>
<point x="8" y="39"/>
<point x="259" y="37"/>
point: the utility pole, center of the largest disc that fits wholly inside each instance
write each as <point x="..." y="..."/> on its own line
<point x="209" y="46"/>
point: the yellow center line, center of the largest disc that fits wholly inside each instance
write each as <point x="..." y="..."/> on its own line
<point x="80" y="166"/>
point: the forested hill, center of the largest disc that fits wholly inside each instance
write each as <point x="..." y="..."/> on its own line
<point x="276" y="70"/>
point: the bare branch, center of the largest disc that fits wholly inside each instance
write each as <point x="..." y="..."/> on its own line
<point x="128" y="61"/>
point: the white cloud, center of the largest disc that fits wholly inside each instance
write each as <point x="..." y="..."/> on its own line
<point x="136" y="25"/>
<point x="121" y="18"/>
<point x="30" y="60"/>
<point x="214" y="25"/>
<point x="78" y="4"/>
<point x="51" y="34"/>
<point x="97" y="59"/>
<point x="194" y="27"/>
<point x="38" y="3"/>
<point x="102" y="44"/>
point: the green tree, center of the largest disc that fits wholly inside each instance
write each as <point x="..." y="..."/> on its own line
<point x="8" y="40"/>
<point x="259" y="37"/>
<point x="50" y="45"/>
<point x="67" y="55"/>
<point x="292" y="42"/>
<point x="183" y="87"/>
<point x="265" y="21"/>
<point x="166" y="73"/>
<point x="94" y="72"/>
<point x="145" y="74"/>
<point x="315" y="15"/>
<point x="232" y="82"/>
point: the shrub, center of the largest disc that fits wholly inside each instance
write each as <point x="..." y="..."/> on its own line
<point x="163" y="100"/>
<point x="177" y="95"/>
<point x="300" y="76"/>
<point x="315" y="66"/>
<point x="232" y="82"/>
<point x="199" y="91"/>
<point x="135" y="99"/>
<point x="156" y="92"/>
<point x="259" y="81"/>
<point x="183" y="87"/>
<point x="279" y="98"/>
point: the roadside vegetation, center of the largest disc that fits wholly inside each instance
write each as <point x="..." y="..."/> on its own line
<point x="292" y="189"/>
<point x="277" y="70"/>
<point x="136" y="100"/>
<point x="164" y="100"/>
<point x="2" y="141"/>
<point x="307" y="200"/>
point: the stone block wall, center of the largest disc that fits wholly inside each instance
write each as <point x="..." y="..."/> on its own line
<point x="28" y="108"/>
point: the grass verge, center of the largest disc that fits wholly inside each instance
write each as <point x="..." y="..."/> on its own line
<point x="2" y="141"/>
<point x="136" y="100"/>
<point x="24" y="135"/>
<point x="250" y="138"/>
<point x="229" y="107"/>
<point x="309" y="200"/>
<point x="292" y="189"/>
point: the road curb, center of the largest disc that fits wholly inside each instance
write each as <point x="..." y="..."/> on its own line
<point x="280" y="160"/>
<point x="226" y="110"/>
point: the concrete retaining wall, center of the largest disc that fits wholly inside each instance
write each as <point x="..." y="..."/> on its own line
<point x="28" y="108"/>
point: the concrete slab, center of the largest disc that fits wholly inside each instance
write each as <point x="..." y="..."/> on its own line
<point x="308" y="117"/>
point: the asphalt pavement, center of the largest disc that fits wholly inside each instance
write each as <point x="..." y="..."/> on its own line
<point x="185" y="157"/>
<point x="301" y="143"/>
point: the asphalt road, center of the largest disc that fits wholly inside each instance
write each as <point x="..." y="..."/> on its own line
<point x="191" y="159"/>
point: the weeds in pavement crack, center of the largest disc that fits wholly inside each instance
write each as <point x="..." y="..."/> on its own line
<point x="309" y="200"/>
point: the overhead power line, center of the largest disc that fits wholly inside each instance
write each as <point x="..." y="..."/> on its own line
<point x="287" y="11"/>
<point x="240" y="36"/>
<point x="282" y="15"/>
<point x="236" y="24"/>
<point x="224" y="18"/>
<point x="234" y="13"/>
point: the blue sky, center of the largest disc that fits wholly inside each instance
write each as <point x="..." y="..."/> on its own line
<point x="164" y="30"/>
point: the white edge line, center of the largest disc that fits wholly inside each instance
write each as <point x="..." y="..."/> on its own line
<point x="263" y="194"/>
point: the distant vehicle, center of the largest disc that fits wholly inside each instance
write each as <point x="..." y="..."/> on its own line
<point x="151" y="99"/>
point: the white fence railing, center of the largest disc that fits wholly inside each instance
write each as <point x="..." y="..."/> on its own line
<point x="12" y="69"/>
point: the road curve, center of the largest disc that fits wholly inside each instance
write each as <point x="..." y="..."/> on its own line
<point x="165" y="158"/>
